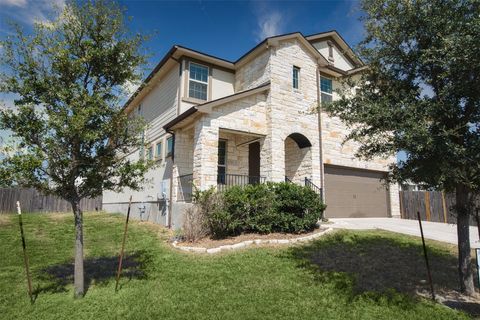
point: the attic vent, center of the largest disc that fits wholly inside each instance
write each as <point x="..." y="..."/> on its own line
<point x="330" y="51"/>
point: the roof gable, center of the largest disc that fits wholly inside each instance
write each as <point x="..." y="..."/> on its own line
<point x="340" y="43"/>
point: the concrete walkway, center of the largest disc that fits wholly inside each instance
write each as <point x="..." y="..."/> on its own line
<point x="431" y="230"/>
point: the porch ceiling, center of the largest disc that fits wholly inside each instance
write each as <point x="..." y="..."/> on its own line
<point x="244" y="133"/>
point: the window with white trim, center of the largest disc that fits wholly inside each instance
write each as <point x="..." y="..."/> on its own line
<point x="159" y="151"/>
<point x="150" y="153"/>
<point x="296" y="77"/>
<point x="222" y="161"/>
<point x="326" y="89"/>
<point x="169" y="146"/>
<point x="142" y="146"/>
<point x="198" y="81"/>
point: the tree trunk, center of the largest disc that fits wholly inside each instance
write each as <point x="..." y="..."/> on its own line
<point x="464" y="209"/>
<point x="79" y="282"/>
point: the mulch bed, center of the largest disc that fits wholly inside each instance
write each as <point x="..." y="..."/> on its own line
<point x="213" y="243"/>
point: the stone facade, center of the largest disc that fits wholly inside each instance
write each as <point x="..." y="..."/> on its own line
<point x="291" y="109"/>
<point x="298" y="162"/>
<point x="253" y="73"/>
<point x="274" y="117"/>
<point x="270" y="117"/>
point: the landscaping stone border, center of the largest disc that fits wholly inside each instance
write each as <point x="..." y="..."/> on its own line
<point x="247" y="243"/>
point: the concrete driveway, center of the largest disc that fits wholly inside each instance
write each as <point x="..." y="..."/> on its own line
<point x="431" y="230"/>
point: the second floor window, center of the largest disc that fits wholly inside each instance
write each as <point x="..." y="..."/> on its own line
<point x="198" y="82"/>
<point x="296" y="77"/>
<point x="326" y="88"/>
<point x="169" y="146"/>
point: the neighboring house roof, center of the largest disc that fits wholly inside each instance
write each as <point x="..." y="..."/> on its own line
<point x="178" y="51"/>
<point x="207" y="106"/>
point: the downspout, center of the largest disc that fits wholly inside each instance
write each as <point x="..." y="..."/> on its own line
<point x="319" y="110"/>
<point x="169" y="211"/>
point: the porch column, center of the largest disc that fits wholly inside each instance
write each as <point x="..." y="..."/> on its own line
<point x="205" y="153"/>
<point x="316" y="174"/>
<point x="272" y="158"/>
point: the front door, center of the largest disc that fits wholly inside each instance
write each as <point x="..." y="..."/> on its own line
<point x="254" y="162"/>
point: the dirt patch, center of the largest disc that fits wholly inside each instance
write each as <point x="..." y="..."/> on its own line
<point x="58" y="216"/>
<point x="160" y="231"/>
<point x="5" y="219"/>
<point x="213" y="243"/>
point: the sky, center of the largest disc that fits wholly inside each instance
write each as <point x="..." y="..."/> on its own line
<point x="226" y="29"/>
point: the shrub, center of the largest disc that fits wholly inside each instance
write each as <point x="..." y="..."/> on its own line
<point x="194" y="226"/>
<point x="262" y="208"/>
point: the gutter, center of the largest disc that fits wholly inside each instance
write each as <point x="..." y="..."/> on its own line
<point x="214" y="103"/>
<point x="320" y="138"/>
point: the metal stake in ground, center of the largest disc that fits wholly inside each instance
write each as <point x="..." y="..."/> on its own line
<point x="119" y="271"/>
<point x="25" y="257"/>
<point x="426" y="257"/>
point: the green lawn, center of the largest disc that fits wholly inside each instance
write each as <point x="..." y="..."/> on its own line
<point x="309" y="282"/>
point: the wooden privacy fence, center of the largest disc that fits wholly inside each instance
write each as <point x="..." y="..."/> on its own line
<point x="33" y="201"/>
<point x="433" y="206"/>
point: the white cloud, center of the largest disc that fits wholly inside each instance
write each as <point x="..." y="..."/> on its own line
<point x="270" y="21"/>
<point x="13" y="3"/>
<point x="269" y="25"/>
<point x="31" y="11"/>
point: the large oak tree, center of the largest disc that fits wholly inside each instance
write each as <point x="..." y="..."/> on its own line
<point x="421" y="95"/>
<point x="70" y="131"/>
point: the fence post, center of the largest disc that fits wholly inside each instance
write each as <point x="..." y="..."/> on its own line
<point x="402" y="215"/>
<point x="444" y="205"/>
<point x="25" y="256"/>
<point x="427" y="205"/>
<point x="478" y="222"/>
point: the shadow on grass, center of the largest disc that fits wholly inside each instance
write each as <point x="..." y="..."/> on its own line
<point x="376" y="263"/>
<point x="98" y="271"/>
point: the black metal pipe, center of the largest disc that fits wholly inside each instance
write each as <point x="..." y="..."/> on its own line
<point x="119" y="271"/>
<point x="426" y="257"/>
<point x="25" y="256"/>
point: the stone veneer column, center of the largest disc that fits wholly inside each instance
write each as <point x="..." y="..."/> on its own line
<point x="205" y="153"/>
<point x="394" y="200"/>
<point x="278" y="156"/>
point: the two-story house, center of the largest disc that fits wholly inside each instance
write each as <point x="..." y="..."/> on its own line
<point x="216" y="123"/>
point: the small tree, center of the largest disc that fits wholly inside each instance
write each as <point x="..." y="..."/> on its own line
<point x="70" y="130"/>
<point x="421" y="95"/>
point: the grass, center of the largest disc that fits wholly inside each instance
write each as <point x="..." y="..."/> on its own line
<point x="301" y="282"/>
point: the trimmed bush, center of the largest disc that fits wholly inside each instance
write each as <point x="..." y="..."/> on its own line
<point x="261" y="208"/>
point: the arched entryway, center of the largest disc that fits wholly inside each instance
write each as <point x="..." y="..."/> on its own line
<point x="298" y="158"/>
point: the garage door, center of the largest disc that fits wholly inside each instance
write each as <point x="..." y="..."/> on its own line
<point x="352" y="193"/>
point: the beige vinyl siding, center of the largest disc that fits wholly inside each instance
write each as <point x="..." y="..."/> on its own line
<point x="339" y="59"/>
<point x="160" y="104"/>
<point x="155" y="127"/>
<point x="222" y="83"/>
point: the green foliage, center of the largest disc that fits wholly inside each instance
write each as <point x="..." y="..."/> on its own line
<point x="419" y="93"/>
<point x="262" y="208"/>
<point x="70" y="132"/>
